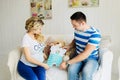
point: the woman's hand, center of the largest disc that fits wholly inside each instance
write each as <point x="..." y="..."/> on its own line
<point x="63" y="65"/>
<point x="46" y="66"/>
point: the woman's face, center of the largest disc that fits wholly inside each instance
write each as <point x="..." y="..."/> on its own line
<point x="37" y="28"/>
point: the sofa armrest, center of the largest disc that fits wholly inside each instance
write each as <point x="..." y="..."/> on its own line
<point x="106" y="57"/>
<point x="13" y="59"/>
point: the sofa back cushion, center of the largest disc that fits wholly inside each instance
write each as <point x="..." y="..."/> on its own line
<point x="104" y="45"/>
<point x="66" y="38"/>
<point x="105" y="41"/>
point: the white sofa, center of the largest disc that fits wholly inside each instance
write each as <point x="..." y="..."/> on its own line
<point x="103" y="73"/>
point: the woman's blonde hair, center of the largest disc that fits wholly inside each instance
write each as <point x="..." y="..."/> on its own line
<point x="30" y="23"/>
<point x="39" y="38"/>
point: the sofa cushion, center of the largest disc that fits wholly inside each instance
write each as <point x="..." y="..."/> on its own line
<point x="105" y="42"/>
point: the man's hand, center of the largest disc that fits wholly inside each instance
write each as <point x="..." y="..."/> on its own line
<point x="63" y="65"/>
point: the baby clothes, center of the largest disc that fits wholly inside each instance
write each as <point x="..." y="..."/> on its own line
<point x="56" y="55"/>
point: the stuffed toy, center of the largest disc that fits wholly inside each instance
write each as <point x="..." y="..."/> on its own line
<point x="56" y="53"/>
<point x="48" y="42"/>
<point x="70" y="53"/>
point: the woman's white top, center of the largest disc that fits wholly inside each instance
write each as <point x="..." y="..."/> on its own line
<point x="35" y="49"/>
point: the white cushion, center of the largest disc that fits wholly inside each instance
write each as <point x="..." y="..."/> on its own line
<point x="55" y="73"/>
<point x="105" y="42"/>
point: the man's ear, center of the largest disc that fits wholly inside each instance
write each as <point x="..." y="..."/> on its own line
<point x="82" y="23"/>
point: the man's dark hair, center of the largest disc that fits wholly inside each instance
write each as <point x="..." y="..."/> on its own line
<point x="78" y="16"/>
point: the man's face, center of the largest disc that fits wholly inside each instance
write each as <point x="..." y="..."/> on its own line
<point x="77" y="25"/>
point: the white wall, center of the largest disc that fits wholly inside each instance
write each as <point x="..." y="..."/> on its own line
<point x="13" y="14"/>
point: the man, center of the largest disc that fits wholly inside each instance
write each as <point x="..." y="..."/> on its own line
<point x="87" y="40"/>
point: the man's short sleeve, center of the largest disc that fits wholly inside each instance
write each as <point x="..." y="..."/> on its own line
<point x="95" y="39"/>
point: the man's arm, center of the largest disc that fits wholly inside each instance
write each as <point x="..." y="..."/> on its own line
<point x="82" y="56"/>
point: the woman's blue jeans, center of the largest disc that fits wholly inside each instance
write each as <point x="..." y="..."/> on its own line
<point x="31" y="73"/>
<point x="86" y="67"/>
